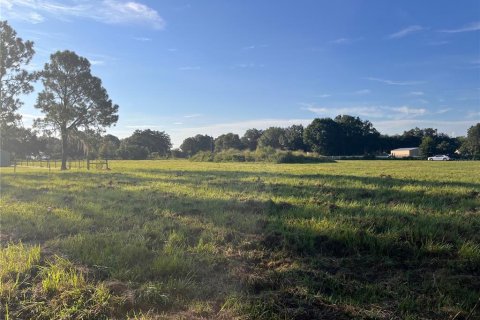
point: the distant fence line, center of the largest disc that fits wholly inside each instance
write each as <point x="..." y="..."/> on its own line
<point x="55" y="163"/>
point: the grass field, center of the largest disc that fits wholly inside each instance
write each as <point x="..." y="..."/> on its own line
<point x="179" y="239"/>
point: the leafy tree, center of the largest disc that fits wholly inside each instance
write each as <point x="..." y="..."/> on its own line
<point x="446" y="147"/>
<point x="50" y="145"/>
<point x="428" y="146"/>
<point x="109" y="146"/>
<point x="228" y="141"/>
<point x="15" y="55"/>
<point x="321" y="136"/>
<point x="292" y="138"/>
<point x="192" y="145"/>
<point x="73" y="100"/>
<point x="272" y="137"/>
<point x="130" y="151"/>
<point x="250" y="138"/>
<point x="357" y="136"/>
<point x="152" y="141"/>
<point x="471" y="144"/>
<point x="413" y="137"/>
<point x="21" y="141"/>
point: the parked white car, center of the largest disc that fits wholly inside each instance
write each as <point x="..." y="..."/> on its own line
<point x="439" y="158"/>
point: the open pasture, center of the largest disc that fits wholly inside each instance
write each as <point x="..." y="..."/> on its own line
<point x="179" y="239"/>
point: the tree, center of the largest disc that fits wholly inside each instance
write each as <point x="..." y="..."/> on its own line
<point x="321" y="136"/>
<point x="250" y="138"/>
<point x="357" y="136"/>
<point x="15" y="80"/>
<point x="73" y="99"/>
<point x="292" y="138"/>
<point x="109" y="146"/>
<point x="132" y="151"/>
<point x="428" y="146"/>
<point x="151" y="140"/>
<point x="15" y="55"/>
<point x="471" y="145"/>
<point x="21" y="141"/>
<point x="272" y="137"/>
<point x="413" y="137"/>
<point x="228" y="141"/>
<point x="192" y="145"/>
<point x="50" y="145"/>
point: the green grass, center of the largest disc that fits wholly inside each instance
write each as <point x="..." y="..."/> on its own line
<point x="188" y="240"/>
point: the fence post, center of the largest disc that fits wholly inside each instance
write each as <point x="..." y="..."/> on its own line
<point x="106" y="163"/>
<point x="88" y="164"/>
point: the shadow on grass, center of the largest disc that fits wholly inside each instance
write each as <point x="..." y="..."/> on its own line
<point x="306" y="249"/>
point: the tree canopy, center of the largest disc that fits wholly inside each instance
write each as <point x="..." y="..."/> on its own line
<point x="471" y="145"/>
<point x="228" y="141"/>
<point x="15" y="80"/>
<point x="151" y="140"/>
<point x="250" y="138"/>
<point x="272" y="137"/>
<point x="192" y="145"/>
<point x="322" y="135"/>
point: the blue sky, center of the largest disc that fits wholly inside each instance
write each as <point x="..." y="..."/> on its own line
<point x="221" y="66"/>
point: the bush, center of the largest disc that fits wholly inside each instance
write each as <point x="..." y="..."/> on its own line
<point x="266" y="154"/>
<point x="203" y="156"/>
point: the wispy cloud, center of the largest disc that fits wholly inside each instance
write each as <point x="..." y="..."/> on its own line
<point x="323" y="95"/>
<point x="193" y="115"/>
<point x="361" y="92"/>
<point x="445" y="110"/>
<point x="248" y="65"/>
<point x="394" y="82"/>
<point x="105" y="11"/>
<point x="474" y="26"/>
<point x="255" y="46"/>
<point x="35" y="17"/>
<point x="405" y="32"/>
<point x="97" y="59"/>
<point x="189" y="68"/>
<point x="183" y="7"/>
<point x="408" y="111"/>
<point x="438" y="43"/>
<point x="96" y="62"/>
<point x="370" y="112"/>
<point x="416" y="93"/>
<point x="364" y="111"/>
<point x="345" y="40"/>
<point x="473" y="114"/>
<point x="143" y="39"/>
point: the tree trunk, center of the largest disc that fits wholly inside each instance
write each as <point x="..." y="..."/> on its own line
<point x="64" y="149"/>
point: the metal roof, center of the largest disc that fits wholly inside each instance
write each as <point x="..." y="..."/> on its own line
<point x="404" y="149"/>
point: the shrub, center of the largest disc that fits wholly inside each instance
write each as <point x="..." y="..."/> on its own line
<point x="266" y="154"/>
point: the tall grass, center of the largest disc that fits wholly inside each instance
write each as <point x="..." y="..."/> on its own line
<point x="254" y="240"/>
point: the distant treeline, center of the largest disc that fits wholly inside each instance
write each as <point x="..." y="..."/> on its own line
<point x="343" y="135"/>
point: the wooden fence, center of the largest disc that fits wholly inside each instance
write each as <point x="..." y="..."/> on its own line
<point x="71" y="163"/>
